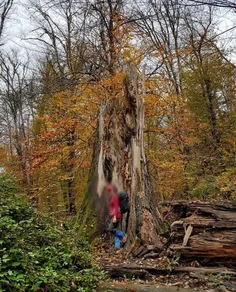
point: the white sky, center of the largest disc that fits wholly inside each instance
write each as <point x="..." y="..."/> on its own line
<point x="19" y="27"/>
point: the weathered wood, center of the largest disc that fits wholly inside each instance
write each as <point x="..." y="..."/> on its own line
<point x="147" y="249"/>
<point x="188" y="232"/>
<point x="224" y="206"/>
<point x="221" y="244"/>
<point x="119" y="158"/>
<point x="151" y="255"/>
<point x="213" y="234"/>
<point x="205" y="271"/>
<point x="138" y="251"/>
<point x="146" y="271"/>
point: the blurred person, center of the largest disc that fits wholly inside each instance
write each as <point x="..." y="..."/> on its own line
<point x="115" y="217"/>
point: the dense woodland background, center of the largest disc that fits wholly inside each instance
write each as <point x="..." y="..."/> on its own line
<point x="77" y="53"/>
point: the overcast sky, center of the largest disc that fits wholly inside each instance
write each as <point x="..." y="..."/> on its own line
<point x="20" y="26"/>
<point x="17" y="27"/>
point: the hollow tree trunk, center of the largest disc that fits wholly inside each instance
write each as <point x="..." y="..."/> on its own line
<point x="119" y="158"/>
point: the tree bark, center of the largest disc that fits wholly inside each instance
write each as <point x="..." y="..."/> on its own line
<point x="212" y="237"/>
<point x="119" y="158"/>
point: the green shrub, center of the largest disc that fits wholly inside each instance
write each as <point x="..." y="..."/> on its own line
<point x="36" y="254"/>
<point x="204" y="190"/>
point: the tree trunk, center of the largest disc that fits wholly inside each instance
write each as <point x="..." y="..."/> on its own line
<point x="119" y="158"/>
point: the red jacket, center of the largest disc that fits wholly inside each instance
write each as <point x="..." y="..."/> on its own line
<point x="114" y="207"/>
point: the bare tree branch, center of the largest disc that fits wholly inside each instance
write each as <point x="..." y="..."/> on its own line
<point x="5" y="7"/>
<point x="215" y="3"/>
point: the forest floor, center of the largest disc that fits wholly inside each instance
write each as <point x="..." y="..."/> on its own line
<point x="160" y="274"/>
<point x="206" y="263"/>
<point x="136" y="286"/>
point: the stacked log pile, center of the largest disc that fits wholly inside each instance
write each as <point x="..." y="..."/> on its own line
<point x="203" y="231"/>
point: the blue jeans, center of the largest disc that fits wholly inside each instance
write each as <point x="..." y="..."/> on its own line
<point x="118" y="235"/>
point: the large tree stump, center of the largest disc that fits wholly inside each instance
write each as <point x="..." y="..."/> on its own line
<point x="119" y="158"/>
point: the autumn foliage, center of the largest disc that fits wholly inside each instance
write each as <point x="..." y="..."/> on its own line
<point x="190" y="106"/>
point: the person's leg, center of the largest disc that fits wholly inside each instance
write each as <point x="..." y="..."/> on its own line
<point x="119" y="224"/>
<point x="118" y="231"/>
<point x="110" y="227"/>
<point x="120" y="234"/>
<point x="117" y="242"/>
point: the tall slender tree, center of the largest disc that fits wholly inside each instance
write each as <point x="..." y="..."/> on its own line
<point x="17" y="98"/>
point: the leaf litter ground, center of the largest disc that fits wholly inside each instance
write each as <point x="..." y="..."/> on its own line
<point x="156" y="274"/>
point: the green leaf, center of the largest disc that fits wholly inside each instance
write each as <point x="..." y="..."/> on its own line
<point x="10" y="273"/>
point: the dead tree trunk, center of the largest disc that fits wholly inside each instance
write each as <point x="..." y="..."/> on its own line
<point x="119" y="158"/>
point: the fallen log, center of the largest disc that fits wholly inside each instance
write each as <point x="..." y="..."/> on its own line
<point x="203" y="231"/>
<point x="147" y="271"/>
